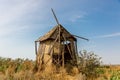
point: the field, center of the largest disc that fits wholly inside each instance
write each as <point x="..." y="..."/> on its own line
<point x="24" y="69"/>
<point x="110" y="72"/>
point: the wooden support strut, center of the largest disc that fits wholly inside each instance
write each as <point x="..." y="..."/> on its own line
<point x="67" y="46"/>
<point x="63" y="56"/>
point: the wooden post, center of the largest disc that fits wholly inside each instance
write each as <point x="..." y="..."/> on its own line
<point x="76" y="47"/>
<point x="36" y="47"/>
<point x="59" y="45"/>
<point x="63" y="56"/>
<point x="73" y="49"/>
<point x="76" y="51"/>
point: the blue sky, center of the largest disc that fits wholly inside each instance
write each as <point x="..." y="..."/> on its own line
<point x="23" y="21"/>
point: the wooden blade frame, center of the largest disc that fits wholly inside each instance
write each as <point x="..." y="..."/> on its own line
<point x="55" y="16"/>
<point x="81" y="37"/>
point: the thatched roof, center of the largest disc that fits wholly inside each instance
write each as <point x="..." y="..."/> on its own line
<point x="52" y="34"/>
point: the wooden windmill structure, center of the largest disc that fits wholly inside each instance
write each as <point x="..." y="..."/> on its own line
<point x="57" y="47"/>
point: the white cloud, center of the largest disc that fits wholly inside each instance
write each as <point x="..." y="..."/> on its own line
<point x="16" y="18"/>
<point x="4" y="31"/>
<point x="76" y="17"/>
<point x="9" y="12"/>
<point x="110" y="35"/>
<point x="13" y="13"/>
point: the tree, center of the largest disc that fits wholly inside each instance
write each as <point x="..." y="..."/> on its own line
<point x="88" y="64"/>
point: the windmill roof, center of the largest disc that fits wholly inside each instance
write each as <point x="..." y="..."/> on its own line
<point x="52" y="34"/>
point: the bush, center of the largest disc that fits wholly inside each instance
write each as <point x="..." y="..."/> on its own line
<point x="89" y="64"/>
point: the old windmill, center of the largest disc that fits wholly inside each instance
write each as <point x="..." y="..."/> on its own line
<point x="57" y="47"/>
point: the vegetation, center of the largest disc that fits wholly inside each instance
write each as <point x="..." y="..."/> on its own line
<point x="111" y="72"/>
<point x="89" y="68"/>
<point x="15" y="69"/>
<point x="89" y="64"/>
<point x="24" y="69"/>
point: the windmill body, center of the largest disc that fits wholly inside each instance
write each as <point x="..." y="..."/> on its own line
<point x="58" y="47"/>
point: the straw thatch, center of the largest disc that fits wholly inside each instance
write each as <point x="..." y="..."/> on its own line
<point x="54" y="32"/>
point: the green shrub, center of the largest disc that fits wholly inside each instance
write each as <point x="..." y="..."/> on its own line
<point x="89" y="64"/>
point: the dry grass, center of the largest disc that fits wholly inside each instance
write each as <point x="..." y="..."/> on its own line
<point x="21" y="69"/>
<point x="29" y="75"/>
